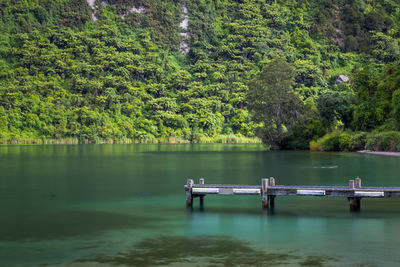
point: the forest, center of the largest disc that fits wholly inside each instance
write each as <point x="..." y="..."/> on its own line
<point x="124" y="71"/>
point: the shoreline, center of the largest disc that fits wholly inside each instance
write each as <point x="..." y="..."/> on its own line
<point x="382" y="153"/>
<point x="222" y="139"/>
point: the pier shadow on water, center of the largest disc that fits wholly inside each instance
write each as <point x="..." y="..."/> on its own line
<point x="204" y="251"/>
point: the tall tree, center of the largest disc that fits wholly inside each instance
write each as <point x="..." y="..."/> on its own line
<point x="273" y="102"/>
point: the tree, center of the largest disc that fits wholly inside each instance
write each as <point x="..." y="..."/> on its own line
<point x="396" y="108"/>
<point x="307" y="128"/>
<point x="385" y="48"/>
<point x="273" y="102"/>
<point x="334" y="107"/>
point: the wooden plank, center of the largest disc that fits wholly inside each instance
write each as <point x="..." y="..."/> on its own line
<point x="310" y="192"/>
<point x="227" y="186"/>
<point x="281" y="192"/>
<point x="392" y="194"/>
<point x="286" y="187"/>
<point x="339" y="193"/>
<point x="246" y="191"/>
<point x="226" y="191"/>
<point x="205" y="190"/>
<point x="369" y="193"/>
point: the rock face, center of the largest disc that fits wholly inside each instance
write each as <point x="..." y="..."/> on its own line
<point x="184" y="25"/>
<point x="92" y="4"/>
<point x="342" y="79"/>
<point x="140" y="10"/>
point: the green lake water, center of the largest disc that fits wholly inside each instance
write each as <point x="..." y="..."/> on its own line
<point x="102" y="205"/>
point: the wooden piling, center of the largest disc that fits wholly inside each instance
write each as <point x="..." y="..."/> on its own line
<point x="355" y="203"/>
<point x="272" y="181"/>
<point x="264" y="189"/>
<point x="351" y="184"/>
<point x="358" y="202"/>
<point x="271" y="200"/>
<point x="201" y="181"/>
<point x="358" y="182"/>
<point x="189" y="196"/>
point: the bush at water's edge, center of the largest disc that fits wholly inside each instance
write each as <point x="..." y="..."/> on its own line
<point x="355" y="141"/>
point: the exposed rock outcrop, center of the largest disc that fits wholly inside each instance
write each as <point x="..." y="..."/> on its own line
<point x="184" y="25"/>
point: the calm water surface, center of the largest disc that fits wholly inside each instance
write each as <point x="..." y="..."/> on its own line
<point x="102" y="205"/>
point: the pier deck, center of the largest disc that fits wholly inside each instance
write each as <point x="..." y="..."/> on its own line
<point x="269" y="190"/>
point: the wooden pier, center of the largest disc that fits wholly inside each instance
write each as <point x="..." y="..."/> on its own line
<point x="269" y="190"/>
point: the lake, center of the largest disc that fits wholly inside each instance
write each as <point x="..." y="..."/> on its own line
<point x="101" y="205"/>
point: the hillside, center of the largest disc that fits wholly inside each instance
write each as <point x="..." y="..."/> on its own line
<point x="151" y="69"/>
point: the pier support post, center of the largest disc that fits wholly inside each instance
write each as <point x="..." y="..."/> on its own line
<point x="264" y="191"/>
<point x="271" y="198"/>
<point x="351" y="184"/>
<point x="189" y="196"/>
<point x="271" y="181"/>
<point x="358" y="182"/>
<point x="355" y="203"/>
<point x="201" y="181"/>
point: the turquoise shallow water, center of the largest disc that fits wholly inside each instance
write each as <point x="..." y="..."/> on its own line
<point x="102" y="205"/>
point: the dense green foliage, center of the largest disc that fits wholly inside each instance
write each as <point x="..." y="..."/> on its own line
<point x="274" y="102"/>
<point x="355" y="141"/>
<point x="122" y="76"/>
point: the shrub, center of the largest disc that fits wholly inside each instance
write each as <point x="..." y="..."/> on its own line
<point x="344" y="141"/>
<point x="329" y="142"/>
<point x="314" y="146"/>
<point x="396" y="107"/>
<point x="383" y="141"/>
<point x="340" y="141"/>
<point x="358" y="141"/>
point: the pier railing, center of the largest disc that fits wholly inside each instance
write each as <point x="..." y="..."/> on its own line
<point x="268" y="190"/>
